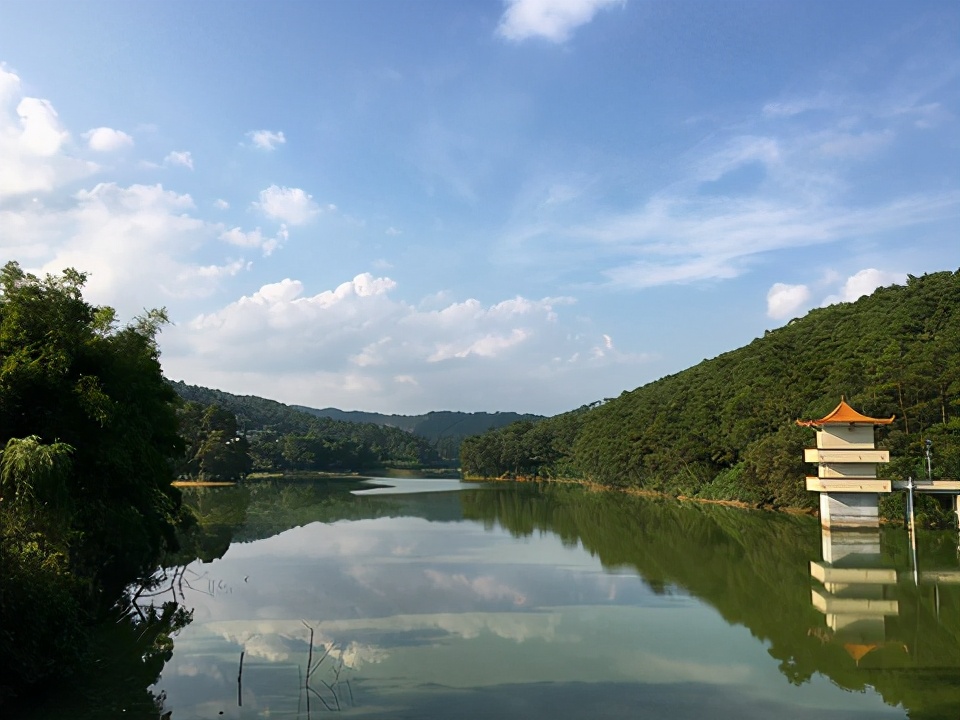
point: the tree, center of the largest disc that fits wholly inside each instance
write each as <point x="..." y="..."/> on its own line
<point x="89" y="432"/>
<point x="216" y="450"/>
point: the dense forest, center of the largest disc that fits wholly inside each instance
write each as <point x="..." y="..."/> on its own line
<point x="88" y="434"/>
<point x="725" y="428"/>
<point x="445" y="430"/>
<point x="231" y="435"/>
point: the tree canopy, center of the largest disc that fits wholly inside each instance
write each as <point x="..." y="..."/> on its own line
<point x="283" y="438"/>
<point x="87" y="432"/>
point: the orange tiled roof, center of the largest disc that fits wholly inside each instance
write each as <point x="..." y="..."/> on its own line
<point x="843" y="413"/>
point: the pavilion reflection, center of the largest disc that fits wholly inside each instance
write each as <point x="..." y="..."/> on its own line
<point x="882" y="614"/>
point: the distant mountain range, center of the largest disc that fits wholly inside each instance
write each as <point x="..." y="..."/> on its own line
<point x="445" y="429"/>
<point x="441" y="431"/>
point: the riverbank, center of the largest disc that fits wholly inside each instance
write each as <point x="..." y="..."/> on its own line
<point x="929" y="514"/>
<point x="640" y="492"/>
<point x="201" y="483"/>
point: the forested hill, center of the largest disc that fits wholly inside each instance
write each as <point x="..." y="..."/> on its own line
<point x="725" y="428"/>
<point x="445" y="430"/>
<point x="284" y="438"/>
<point x="420" y="439"/>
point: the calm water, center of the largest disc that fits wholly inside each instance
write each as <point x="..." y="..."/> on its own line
<point x="435" y="600"/>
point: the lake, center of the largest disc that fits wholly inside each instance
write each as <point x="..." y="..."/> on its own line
<point x="433" y="599"/>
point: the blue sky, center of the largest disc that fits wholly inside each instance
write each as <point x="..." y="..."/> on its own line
<point x="524" y="205"/>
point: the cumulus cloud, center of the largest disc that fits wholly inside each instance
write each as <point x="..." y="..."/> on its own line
<point x="290" y="205"/>
<point x="141" y="245"/>
<point x="358" y="345"/>
<point x="487" y="346"/>
<point x="784" y="300"/>
<point x="221" y="204"/>
<point x="136" y="243"/>
<point x="266" y="139"/>
<point x="179" y="158"/>
<point x="41" y="133"/>
<point x="554" y="20"/>
<point x="864" y="283"/>
<point x="104" y="139"/>
<point x="33" y="143"/>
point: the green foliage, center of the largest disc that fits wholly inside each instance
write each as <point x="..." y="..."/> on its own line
<point x="88" y="431"/>
<point x="216" y="450"/>
<point x="444" y="430"/>
<point x="282" y="438"/>
<point x="33" y="476"/>
<point x="724" y="429"/>
<point x="42" y="621"/>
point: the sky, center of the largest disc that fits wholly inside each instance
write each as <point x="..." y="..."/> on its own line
<point x="484" y="205"/>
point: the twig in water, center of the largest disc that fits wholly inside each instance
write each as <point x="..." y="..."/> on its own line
<point x="240" y="682"/>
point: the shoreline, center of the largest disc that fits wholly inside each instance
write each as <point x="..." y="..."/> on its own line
<point x="598" y="487"/>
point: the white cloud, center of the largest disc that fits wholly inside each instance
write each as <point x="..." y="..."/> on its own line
<point x="485" y="587"/>
<point x="788" y="175"/>
<point x="489" y="345"/>
<point x="137" y="244"/>
<point x="141" y="245"/>
<point x="181" y="158"/>
<point x="784" y="300"/>
<point x="221" y="204"/>
<point x="359" y="346"/>
<point x="212" y="272"/>
<point x="737" y="152"/>
<point x="41" y="132"/>
<point x="33" y="143"/>
<point x="693" y="231"/>
<point x="553" y="20"/>
<point x="864" y="283"/>
<point x="266" y="139"/>
<point x="104" y="139"/>
<point x="291" y="205"/>
<point x="256" y="239"/>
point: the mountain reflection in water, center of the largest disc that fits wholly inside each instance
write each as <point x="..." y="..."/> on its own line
<point x="519" y="600"/>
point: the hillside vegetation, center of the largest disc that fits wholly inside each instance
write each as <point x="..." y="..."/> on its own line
<point x="445" y="430"/>
<point x="725" y="428"/>
<point x="222" y="430"/>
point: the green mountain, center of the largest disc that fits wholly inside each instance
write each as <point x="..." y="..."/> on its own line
<point x="725" y="428"/>
<point x="445" y="430"/>
<point x="284" y="438"/>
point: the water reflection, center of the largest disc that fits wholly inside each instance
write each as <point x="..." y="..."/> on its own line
<point x="855" y="590"/>
<point x="898" y="623"/>
<point x="527" y="601"/>
<point x="404" y="486"/>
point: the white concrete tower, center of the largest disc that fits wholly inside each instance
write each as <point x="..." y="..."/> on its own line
<point x="847" y="461"/>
